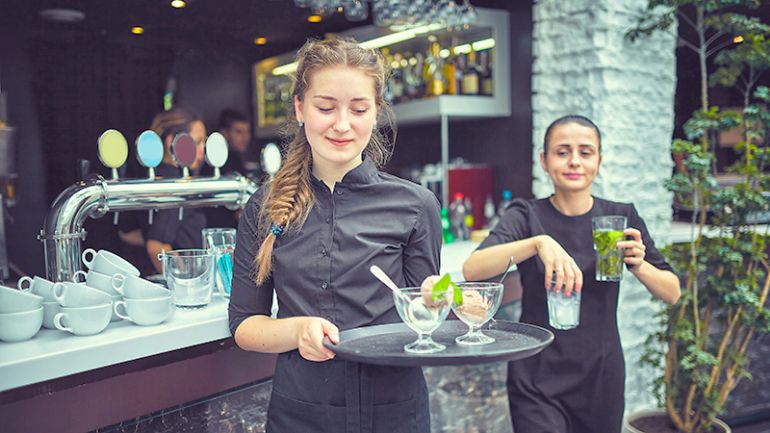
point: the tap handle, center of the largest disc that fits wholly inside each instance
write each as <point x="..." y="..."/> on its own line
<point x="83" y="168"/>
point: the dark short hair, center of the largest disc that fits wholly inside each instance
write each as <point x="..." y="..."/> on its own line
<point x="228" y="116"/>
<point x="173" y="122"/>
<point x="571" y="118"/>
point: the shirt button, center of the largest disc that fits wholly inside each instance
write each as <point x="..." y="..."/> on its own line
<point x="324" y="252"/>
<point x="324" y="285"/>
<point x="339" y="191"/>
<point x="328" y="220"/>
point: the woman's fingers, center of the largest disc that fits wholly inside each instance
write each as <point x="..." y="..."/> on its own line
<point x="311" y="339"/>
<point x="559" y="280"/>
<point x="578" y="277"/>
<point x="564" y="273"/>
<point x="548" y="276"/>
<point x="634" y="233"/>
<point x="560" y="269"/>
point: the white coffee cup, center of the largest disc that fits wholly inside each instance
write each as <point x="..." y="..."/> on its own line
<point x="145" y="312"/>
<point x="83" y="320"/>
<point x="50" y="309"/>
<point x="17" y="301"/>
<point x="108" y="263"/>
<point x="20" y="326"/>
<point x="97" y="280"/>
<point x="137" y="288"/>
<point x="115" y="299"/>
<point x="37" y="285"/>
<point x="79" y="295"/>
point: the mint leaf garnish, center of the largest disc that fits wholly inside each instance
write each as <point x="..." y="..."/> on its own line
<point x="439" y="289"/>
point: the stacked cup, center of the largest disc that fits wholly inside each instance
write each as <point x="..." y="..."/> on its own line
<point x="99" y="281"/>
<point x="21" y="314"/>
<point x="144" y="303"/>
<point x="86" y="306"/>
<point x="84" y="310"/>
<point x="42" y="287"/>
<point x="102" y="265"/>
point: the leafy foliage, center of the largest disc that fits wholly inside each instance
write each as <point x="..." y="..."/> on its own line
<point x="702" y="340"/>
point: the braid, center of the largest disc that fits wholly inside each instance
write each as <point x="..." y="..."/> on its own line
<point x="287" y="203"/>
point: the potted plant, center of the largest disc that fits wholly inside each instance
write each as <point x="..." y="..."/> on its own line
<point x="725" y="269"/>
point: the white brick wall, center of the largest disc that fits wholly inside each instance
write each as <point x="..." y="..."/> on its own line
<point x="583" y="64"/>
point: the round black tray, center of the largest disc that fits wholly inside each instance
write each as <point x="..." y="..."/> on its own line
<point x="384" y="344"/>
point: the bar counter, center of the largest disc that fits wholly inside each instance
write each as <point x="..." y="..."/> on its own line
<point x="60" y="382"/>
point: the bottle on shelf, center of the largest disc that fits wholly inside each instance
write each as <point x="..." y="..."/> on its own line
<point x="487" y="84"/>
<point x="458" y="213"/>
<point x="415" y="88"/>
<point x="507" y="197"/>
<point x="450" y="73"/>
<point x="434" y="80"/>
<point x="388" y="90"/>
<point x="470" y="82"/>
<point x="397" y="78"/>
<point x="489" y="212"/>
<point x="446" y="227"/>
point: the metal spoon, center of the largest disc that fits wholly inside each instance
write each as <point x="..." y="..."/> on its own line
<point x="507" y="269"/>
<point x="492" y="322"/>
<point x="419" y="310"/>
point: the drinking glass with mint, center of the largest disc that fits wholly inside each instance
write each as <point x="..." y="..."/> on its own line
<point x="607" y="232"/>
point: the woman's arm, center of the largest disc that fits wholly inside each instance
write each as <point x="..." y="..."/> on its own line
<point x="153" y="249"/>
<point x="260" y="333"/>
<point x="250" y="304"/>
<point x="491" y="261"/>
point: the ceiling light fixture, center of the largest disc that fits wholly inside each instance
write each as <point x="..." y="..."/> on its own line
<point x="137" y="30"/>
<point x="314" y="19"/>
<point x="178" y="4"/>
<point x="395" y="38"/>
<point x="62" y="15"/>
<point x="260" y="41"/>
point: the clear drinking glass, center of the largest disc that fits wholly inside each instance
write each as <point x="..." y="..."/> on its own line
<point x="221" y="242"/>
<point x="563" y="310"/>
<point x="607" y="232"/>
<point x="189" y="275"/>
<point x="423" y="315"/>
<point x="480" y="303"/>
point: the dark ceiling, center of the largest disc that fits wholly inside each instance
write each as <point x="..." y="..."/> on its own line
<point x="229" y="24"/>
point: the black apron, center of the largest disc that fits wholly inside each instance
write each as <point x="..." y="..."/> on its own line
<point x="339" y="396"/>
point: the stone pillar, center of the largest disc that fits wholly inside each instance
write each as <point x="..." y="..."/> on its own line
<point x="583" y="64"/>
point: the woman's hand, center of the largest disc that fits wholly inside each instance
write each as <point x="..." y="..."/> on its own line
<point x="426" y="288"/>
<point x="557" y="261"/>
<point x="633" y="249"/>
<point x="310" y="337"/>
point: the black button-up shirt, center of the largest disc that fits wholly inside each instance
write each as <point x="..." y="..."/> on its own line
<point x="373" y="218"/>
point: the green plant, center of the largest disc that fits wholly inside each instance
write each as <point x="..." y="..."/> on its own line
<point x="726" y="267"/>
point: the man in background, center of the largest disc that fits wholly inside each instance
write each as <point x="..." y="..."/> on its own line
<point x="237" y="131"/>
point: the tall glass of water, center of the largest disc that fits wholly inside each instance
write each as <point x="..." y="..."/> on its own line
<point x="221" y="242"/>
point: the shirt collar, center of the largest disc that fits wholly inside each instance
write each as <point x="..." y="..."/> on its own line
<point x="366" y="172"/>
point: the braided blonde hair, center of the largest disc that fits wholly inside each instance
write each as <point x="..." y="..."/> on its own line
<point x="289" y="197"/>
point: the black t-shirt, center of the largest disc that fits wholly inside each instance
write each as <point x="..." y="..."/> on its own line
<point x="581" y="375"/>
